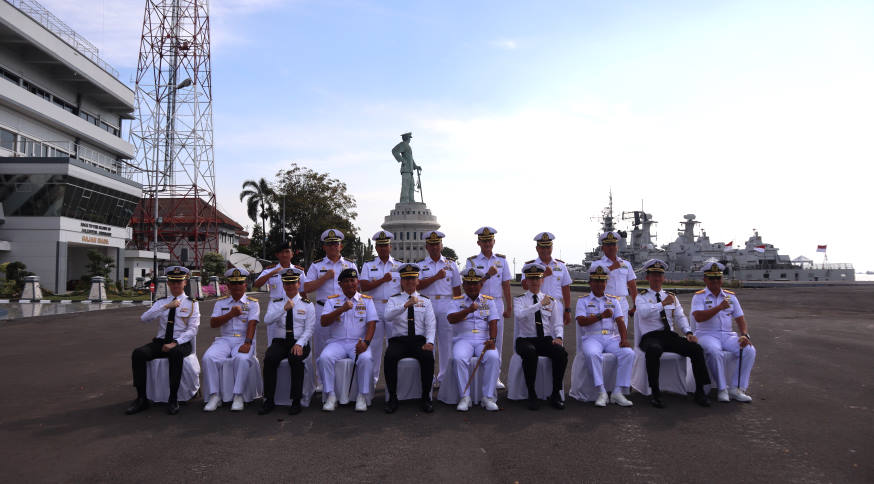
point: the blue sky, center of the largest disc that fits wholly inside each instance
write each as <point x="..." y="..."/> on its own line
<point x="524" y="115"/>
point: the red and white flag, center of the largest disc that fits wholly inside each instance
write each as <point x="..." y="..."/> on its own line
<point x="760" y="248"/>
<point x="820" y="248"/>
<point x="729" y="246"/>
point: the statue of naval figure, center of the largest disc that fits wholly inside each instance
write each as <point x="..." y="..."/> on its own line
<point x="404" y="154"/>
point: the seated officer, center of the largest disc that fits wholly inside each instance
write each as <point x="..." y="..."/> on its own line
<point x="294" y="316"/>
<point x="714" y="309"/>
<point x="411" y="327"/>
<point x="602" y="318"/>
<point x="178" y="319"/>
<point x="473" y="317"/>
<point x="350" y="318"/>
<point x="656" y="309"/>
<point x="540" y="328"/>
<point x="236" y="316"/>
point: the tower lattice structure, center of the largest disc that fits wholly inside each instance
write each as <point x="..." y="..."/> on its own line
<point x="173" y="132"/>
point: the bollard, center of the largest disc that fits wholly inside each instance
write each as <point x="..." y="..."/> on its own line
<point x="196" y="290"/>
<point x="98" y="289"/>
<point x="161" y="287"/>
<point x="214" y="282"/>
<point x="31" y="291"/>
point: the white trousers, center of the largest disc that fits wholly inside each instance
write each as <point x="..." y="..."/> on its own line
<point x="222" y="348"/>
<point x="596" y="344"/>
<point x="714" y="343"/>
<point x="444" y="335"/>
<point x="499" y="344"/>
<point x="378" y="341"/>
<point x="462" y="351"/>
<point x="337" y="350"/>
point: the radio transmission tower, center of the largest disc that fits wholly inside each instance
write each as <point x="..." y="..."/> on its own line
<point x="173" y="132"/>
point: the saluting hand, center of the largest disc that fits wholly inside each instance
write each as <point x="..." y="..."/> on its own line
<point x="347" y="305"/>
<point x="492" y="271"/>
<point x="288" y="305"/>
<point x="724" y="304"/>
<point x="329" y="274"/>
<point x="668" y="300"/>
<point x="172" y="304"/>
<point x="386" y="277"/>
<point x="440" y="274"/>
<point x="235" y="311"/>
<point x="547" y="272"/>
<point x="615" y="265"/>
<point x="606" y="313"/>
<point x="473" y="306"/>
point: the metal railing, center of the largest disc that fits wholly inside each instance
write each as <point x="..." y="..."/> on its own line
<point x="41" y="15"/>
<point x="66" y="149"/>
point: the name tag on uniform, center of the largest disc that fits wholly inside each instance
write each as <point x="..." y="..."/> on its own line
<point x="425" y="269"/>
<point x="374" y="269"/>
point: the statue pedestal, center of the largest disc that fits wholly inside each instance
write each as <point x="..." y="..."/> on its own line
<point x="408" y="222"/>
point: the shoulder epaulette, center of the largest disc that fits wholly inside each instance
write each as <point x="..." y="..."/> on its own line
<point x="318" y="260"/>
<point x="251" y="298"/>
<point x="471" y="257"/>
<point x="486" y="296"/>
<point x="520" y="295"/>
<point x="332" y="296"/>
<point x="457" y="297"/>
<point x="223" y="297"/>
<point x="398" y="294"/>
<point x="563" y="262"/>
<point x="730" y="292"/>
<point x="643" y="290"/>
<point x="424" y="296"/>
<point x="299" y="267"/>
<point x="530" y="261"/>
<point x="453" y="259"/>
<point x="700" y="292"/>
<point x="502" y="256"/>
<point x="306" y="300"/>
<point x="365" y="296"/>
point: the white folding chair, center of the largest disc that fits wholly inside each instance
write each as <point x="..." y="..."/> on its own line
<point x="675" y="372"/>
<point x="342" y="377"/>
<point x="516" y="387"/>
<point x="409" y="379"/>
<point x="254" y="386"/>
<point x="158" y="377"/>
<point x="282" y="395"/>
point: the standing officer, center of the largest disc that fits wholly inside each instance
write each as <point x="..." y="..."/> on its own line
<point x="236" y="315"/>
<point x="601" y="317"/>
<point x="496" y="282"/>
<point x="714" y="309"/>
<point x="351" y="320"/>
<point x="411" y="323"/>
<point x="556" y="278"/>
<point x="295" y="317"/>
<point x="178" y="319"/>
<point x="271" y="276"/>
<point x="440" y="281"/>
<point x="474" y="318"/>
<point x="622" y="280"/>
<point x="540" y="332"/>
<point x="321" y="282"/>
<point x="380" y="280"/>
<point x="653" y="307"/>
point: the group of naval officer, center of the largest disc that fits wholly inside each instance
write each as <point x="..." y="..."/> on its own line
<point x="432" y="305"/>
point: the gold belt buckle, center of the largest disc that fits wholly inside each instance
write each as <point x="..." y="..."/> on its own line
<point x="474" y="330"/>
<point x="604" y="331"/>
<point x="384" y="300"/>
<point x="237" y="335"/>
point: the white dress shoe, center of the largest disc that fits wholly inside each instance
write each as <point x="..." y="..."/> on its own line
<point x="330" y="403"/>
<point x="463" y="405"/>
<point x="361" y="403"/>
<point x="619" y="399"/>
<point x="237" y="405"/>
<point x="739" y="395"/>
<point x="722" y="396"/>
<point x="213" y="403"/>
<point x="602" y="400"/>
<point x="490" y="405"/>
<point x="500" y="385"/>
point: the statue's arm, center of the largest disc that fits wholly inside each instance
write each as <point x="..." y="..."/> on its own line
<point x="397" y="150"/>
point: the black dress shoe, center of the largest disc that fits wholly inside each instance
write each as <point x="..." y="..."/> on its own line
<point x="427" y="406"/>
<point x="137" y="406"/>
<point x="267" y="406"/>
<point x="391" y="405"/>
<point x="295" y="408"/>
<point x="556" y="401"/>
<point x="656" y="401"/>
<point x="701" y="399"/>
<point x="172" y="407"/>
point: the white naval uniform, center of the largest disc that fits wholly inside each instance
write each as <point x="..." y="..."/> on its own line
<point x="274" y="284"/>
<point x="232" y="335"/>
<point x="320" y="295"/>
<point x="648" y="313"/>
<point x="524" y="308"/>
<point x="304" y="319"/>
<point x="343" y="336"/>
<point x="424" y="320"/>
<point x="715" y="335"/>
<point x="553" y="283"/>
<point x="186" y="322"/>
<point x="372" y="271"/>
<point x="493" y="285"/>
<point x="617" y="280"/>
<point x="470" y="336"/>
<point x="603" y="337"/>
<point x="440" y="294"/>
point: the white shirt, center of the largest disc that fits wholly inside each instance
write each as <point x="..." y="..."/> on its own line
<point x="236" y="327"/>
<point x="303" y="319"/>
<point x="617" y="280"/>
<point x="524" y="309"/>
<point x="441" y="287"/>
<point x="491" y="286"/>
<point x="704" y="300"/>
<point x="274" y="284"/>
<point x="374" y="270"/>
<point x="185" y="323"/>
<point x="559" y="278"/>
<point x="352" y="324"/>
<point x="648" y="314"/>
<point x="474" y="326"/>
<point x="423" y="316"/>
<point x="318" y="268"/>
<point x="592" y="305"/>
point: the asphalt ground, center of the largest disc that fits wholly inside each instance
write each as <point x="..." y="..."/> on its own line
<point x="66" y="382"/>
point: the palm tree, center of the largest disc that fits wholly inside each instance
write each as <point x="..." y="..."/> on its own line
<point x="257" y="195"/>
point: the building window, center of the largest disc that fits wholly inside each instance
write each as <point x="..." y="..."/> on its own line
<point x="7" y="139"/>
<point x="9" y="76"/>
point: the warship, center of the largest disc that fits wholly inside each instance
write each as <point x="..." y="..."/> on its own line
<point x="686" y="255"/>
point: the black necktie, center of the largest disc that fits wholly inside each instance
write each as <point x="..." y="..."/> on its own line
<point x="538" y="320"/>
<point x="662" y="314"/>
<point x="289" y="326"/>
<point x="168" y="330"/>
<point x="411" y="321"/>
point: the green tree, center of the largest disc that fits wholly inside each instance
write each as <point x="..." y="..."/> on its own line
<point x="213" y="265"/>
<point x="98" y="264"/>
<point x="315" y="202"/>
<point x="449" y="253"/>
<point x="258" y="196"/>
